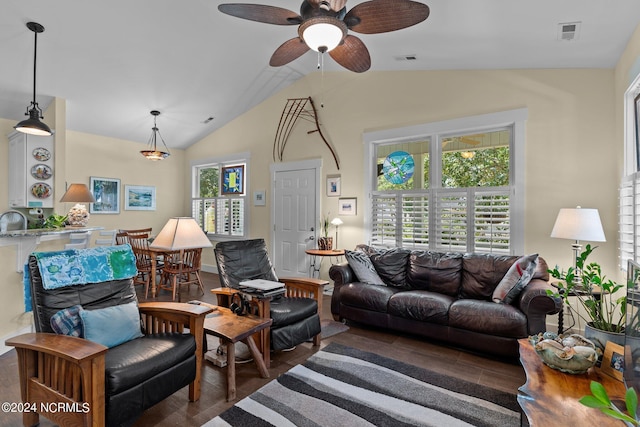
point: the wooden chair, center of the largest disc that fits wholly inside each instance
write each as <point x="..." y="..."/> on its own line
<point x="117" y="384"/>
<point x="182" y="268"/>
<point x="140" y="245"/>
<point x="78" y="240"/>
<point x="107" y="238"/>
<point x="138" y="231"/>
<point x="122" y="238"/>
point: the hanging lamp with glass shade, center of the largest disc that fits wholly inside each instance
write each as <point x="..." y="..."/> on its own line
<point x="152" y="153"/>
<point x="33" y="125"/>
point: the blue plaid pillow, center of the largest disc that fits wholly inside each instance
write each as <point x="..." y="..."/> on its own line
<point x="68" y="322"/>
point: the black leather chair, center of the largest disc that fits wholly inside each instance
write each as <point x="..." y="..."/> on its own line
<point x="116" y="384"/>
<point x="295" y="315"/>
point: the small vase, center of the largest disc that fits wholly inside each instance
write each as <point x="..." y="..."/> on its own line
<point x="325" y="243"/>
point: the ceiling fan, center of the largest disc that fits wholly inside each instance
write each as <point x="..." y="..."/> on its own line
<point x="323" y="26"/>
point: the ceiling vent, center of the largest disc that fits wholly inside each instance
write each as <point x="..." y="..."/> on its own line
<point x="569" y="31"/>
<point x="406" y="58"/>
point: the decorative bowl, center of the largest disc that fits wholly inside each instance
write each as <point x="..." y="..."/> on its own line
<point x="570" y="353"/>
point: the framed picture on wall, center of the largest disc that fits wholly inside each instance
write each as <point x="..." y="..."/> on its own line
<point x="233" y="180"/>
<point x="333" y="185"/>
<point x="106" y="191"/>
<point x="139" y="198"/>
<point x="347" y="206"/>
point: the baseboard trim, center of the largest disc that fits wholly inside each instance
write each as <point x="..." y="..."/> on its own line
<point x="209" y="268"/>
<point x="3" y="348"/>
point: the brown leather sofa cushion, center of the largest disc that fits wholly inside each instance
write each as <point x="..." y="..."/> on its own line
<point x="435" y="271"/>
<point x="421" y="305"/>
<point x="481" y="273"/>
<point x="487" y="317"/>
<point x="370" y="297"/>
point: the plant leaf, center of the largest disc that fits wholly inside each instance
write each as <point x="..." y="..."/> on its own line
<point x="593" y="402"/>
<point x="599" y="392"/>
<point x="631" y="399"/>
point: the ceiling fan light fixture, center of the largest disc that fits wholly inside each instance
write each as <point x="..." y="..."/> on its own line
<point x="467" y="154"/>
<point x="33" y="125"/>
<point x="323" y="33"/>
<point x="153" y="153"/>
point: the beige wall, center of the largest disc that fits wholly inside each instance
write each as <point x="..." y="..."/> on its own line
<point x="571" y="154"/>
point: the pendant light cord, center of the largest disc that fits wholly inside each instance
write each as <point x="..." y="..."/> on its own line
<point x="35" y="57"/>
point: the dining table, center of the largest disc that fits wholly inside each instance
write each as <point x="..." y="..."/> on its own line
<point x="156" y="254"/>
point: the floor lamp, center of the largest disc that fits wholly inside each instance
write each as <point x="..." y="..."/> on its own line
<point x="578" y="224"/>
<point x="337" y="222"/>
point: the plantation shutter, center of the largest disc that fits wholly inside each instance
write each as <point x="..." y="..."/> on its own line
<point x="415" y="220"/>
<point x="491" y="216"/>
<point x="451" y="221"/>
<point x="383" y="219"/>
<point x="629" y="219"/>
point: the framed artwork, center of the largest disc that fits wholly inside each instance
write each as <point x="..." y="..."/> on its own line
<point x="347" y="206"/>
<point x="233" y="179"/>
<point x="259" y="198"/>
<point x="139" y="198"/>
<point x="333" y="185"/>
<point x="107" y="194"/>
<point x="613" y="360"/>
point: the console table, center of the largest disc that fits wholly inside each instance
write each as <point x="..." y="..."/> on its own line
<point x="550" y="397"/>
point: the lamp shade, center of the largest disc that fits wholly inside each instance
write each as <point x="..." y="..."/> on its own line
<point x="78" y="193"/>
<point x="322" y="33"/>
<point x="181" y="233"/>
<point x="336" y="221"/>
<point x="33" y="125"/>
<point x="578" y="224"/>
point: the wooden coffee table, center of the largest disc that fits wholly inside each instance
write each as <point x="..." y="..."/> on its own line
<point x="550" y="397"/>
<point x="231" y="328"/>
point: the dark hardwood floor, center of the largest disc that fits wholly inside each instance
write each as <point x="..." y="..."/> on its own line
<point x="178" y="411"/>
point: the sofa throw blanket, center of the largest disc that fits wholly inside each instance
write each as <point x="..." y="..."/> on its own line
<point x="81" y="266"/>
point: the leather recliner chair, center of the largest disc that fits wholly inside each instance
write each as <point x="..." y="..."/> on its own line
<point x="296" y="315"/>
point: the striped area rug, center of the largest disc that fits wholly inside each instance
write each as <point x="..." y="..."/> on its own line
<point x="343" y="386"/>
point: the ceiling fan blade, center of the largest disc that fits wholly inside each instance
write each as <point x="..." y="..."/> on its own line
<point x="352" y="54"/>
<point x="288" y="51"/>
<point x="381" y="16"/>
<point x="261" y="13"/>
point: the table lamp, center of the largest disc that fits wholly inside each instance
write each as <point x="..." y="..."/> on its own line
<point x="337" y="222"/>
<point x="578" y="224"/>
<point x="78" y="215"/>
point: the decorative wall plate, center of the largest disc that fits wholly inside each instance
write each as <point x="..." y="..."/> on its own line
<point x="40" y="190"/>
<point x="41" y="171"/>
<point x="41" y="154"/>
<point x="398" y="167"/>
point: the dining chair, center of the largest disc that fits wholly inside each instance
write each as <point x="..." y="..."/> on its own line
<point x="138" y="231"/>
<point x="122" y="238"/>
<point x="78" y="240"/>
<point x="140" y="246"/>
<point x="182" y="268"/>
<point x="107" y="238"/>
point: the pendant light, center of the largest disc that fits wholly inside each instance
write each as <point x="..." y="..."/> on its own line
<point x="153" y="153"/>
<point x="33" y="125"/>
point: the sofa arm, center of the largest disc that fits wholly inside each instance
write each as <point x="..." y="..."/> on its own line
<point x="536" y="304"/>
<point x="341" y="274"/>
<point x="161" y="317"/>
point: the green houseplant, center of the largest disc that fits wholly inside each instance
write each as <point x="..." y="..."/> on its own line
<point x="603" y="309"/>
<point x="325" y="242"/>
<point x="600" y="399"/>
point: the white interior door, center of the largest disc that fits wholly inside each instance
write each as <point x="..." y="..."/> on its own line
<point x="295" y="200"/>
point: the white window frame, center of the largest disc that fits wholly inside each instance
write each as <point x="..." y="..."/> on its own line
<point x="514" y="119"/>
<point x="229" y="160"/>
<point x="629" y="192"/>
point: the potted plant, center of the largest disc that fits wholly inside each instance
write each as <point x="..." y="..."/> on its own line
<point x="325" y="243"/>
<point x="599" y="303"/>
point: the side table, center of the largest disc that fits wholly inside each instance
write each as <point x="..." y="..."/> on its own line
<point x="317" y="255"/>
<point x="223" y="324"/>
<point x="550" y="397"/>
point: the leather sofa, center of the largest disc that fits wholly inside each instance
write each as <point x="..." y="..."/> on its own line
<point x="446" y="297"/>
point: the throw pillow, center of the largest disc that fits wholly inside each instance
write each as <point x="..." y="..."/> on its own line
<point x="67" y="321"/>
<point x="517" y="277"/>
<point x="361" y="265"/>
<point x="112" y="326"/>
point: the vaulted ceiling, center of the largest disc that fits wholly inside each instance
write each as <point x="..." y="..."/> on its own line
<point x="115" y="61"/>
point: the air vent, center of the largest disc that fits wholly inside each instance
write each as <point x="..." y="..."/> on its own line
<point x="569" y="31"/>
<point x="406" y="58"/>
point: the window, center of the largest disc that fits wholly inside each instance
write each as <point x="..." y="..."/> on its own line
<point x="629" y="196"/>
<point x="220" y="215"/>
<point x="442" y="188"/>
